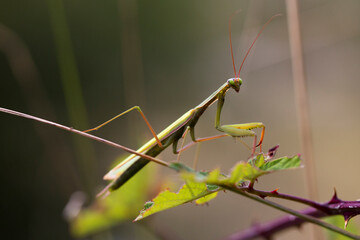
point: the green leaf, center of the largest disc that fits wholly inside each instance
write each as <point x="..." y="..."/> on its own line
<point x="252" y="170"/>
<point x="245" y="171"/>
<point x="257" y="160"/>
<point x="204" y="186"/>
<point x="207" y="198"/>
<point x="188" y="192"/>
<point x="281" y="164"/>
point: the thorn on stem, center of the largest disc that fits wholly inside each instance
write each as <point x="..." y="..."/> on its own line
<point x="334" y="198"/>
<point x="347" y="217"/>
<point x="275" y="191"/>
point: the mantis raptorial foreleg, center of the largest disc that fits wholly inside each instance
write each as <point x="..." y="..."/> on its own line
<point x="123" y="113"/>
<point x="244" y="130"/>
<point x="238" y="130"/>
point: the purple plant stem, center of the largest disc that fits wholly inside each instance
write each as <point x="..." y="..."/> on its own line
<point x="332" y="207"/>
<point x="267" y="230"/>
<point x="276" y="194"/>
<point x="335" y="206"/>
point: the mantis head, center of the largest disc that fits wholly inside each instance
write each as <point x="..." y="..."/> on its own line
<point x="235" y="83"/>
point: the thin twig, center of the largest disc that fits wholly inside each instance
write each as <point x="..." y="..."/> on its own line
<point x="70" y="129"/>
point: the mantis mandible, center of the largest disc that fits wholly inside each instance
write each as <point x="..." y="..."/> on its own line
<point x="178" y="129"/>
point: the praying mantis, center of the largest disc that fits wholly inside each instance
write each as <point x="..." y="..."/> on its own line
<point x="121" y="173"/>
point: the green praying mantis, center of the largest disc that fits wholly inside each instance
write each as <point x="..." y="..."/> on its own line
<point x="121" y="173"/>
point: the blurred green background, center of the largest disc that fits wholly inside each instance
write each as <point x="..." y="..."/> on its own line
<point x="168" y="56"/>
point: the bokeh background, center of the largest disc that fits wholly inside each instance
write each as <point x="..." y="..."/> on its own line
<point x="81" y="62"/>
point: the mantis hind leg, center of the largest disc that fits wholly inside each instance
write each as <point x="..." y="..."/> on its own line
<point x="194" y="141"/>
<point x="123" y="113"/>
<point x="199" y="140"/>
<point x="178" y="152"/>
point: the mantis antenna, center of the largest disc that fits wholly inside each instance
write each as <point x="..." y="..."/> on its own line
<point x="253" y="43"/>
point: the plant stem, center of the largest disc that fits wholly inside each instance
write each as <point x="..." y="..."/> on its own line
<point x="267" y="230"/>
<point x="292" y="212"/>
<point x="276" y="194"/>
<point x="333" y="207"/>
